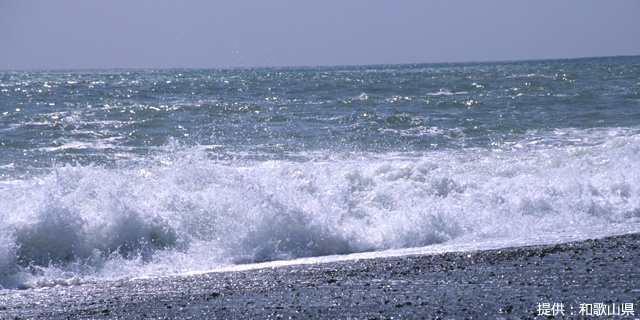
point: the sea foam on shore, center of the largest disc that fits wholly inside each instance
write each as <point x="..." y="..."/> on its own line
<point x="571" y="280"/>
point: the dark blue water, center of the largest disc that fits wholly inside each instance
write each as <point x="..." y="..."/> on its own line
<point x="104" y="116"/>
<point x="117" y="172"/>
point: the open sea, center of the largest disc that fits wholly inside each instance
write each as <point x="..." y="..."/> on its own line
<point x="111" y="174"/>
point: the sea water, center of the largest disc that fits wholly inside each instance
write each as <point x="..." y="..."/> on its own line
<point x="128" y="173"/>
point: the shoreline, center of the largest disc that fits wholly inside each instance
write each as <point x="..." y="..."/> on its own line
<point x="515" y="282"/>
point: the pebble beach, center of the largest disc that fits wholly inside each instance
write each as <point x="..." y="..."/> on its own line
<point x="586" y="279"/>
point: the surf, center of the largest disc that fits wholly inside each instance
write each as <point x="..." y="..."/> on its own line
<point x="184" y="211"/>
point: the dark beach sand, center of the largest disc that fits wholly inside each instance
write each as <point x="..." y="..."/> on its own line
<point x="505" y="283"/>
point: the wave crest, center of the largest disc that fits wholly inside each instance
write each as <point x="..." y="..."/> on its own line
<point x="184" y="211"/>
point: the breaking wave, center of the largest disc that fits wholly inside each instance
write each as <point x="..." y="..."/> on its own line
<point x="184" y="210"/>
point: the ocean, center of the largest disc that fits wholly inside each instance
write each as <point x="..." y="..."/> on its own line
<point x="120" y="174"/>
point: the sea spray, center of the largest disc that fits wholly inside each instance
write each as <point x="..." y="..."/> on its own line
<point x="89" y="217"/>
<point x="125" y="173"/>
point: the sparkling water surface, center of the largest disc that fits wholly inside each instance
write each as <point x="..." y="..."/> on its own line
<point x="127" y="173"/>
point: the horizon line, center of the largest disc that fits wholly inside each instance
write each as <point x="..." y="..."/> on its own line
<point x="313" y="66"/>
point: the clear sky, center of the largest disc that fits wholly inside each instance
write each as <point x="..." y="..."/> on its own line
<point x="63" y="34"/>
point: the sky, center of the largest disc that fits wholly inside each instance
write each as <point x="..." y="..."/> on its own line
<point x="82" y="34"/>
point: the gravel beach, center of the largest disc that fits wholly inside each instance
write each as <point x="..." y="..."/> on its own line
<point x="587" y="279"/>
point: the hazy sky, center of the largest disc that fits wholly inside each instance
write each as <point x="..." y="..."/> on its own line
<point x="45" y="34"/>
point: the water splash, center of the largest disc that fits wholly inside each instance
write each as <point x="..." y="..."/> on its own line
<point x="184" y="211"/>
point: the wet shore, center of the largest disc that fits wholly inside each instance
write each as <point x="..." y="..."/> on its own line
<point x="587" y="279"/>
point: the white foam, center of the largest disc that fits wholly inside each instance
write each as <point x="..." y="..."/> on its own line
<point x="184" y="212"/>
<point x="446" y="93"/>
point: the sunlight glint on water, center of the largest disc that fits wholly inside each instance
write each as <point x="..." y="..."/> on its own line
<point x="108" y="174"/>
